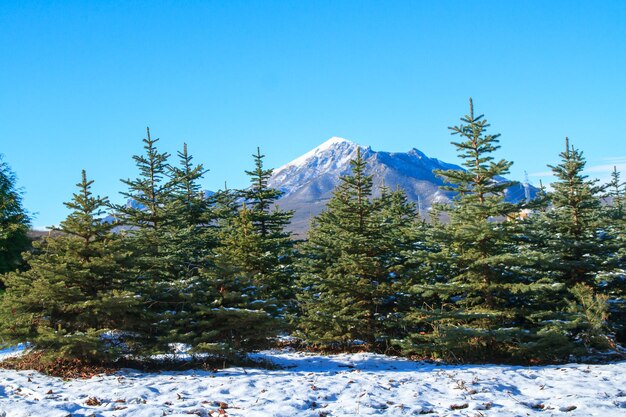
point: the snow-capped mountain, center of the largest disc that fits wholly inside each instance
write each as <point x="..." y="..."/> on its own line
<point x="308" y="181"/>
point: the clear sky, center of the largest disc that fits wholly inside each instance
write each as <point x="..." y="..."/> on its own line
<point x="80" y="81"/>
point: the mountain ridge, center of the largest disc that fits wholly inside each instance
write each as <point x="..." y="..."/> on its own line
<point x="308" y="181"/>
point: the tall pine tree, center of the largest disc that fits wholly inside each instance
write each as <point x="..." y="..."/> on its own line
<point x="76" y="290"/>
<point x="272" y="257"/>
<point x="146" y="222"/>
<point x="351" y="266"/>
<point x="583" y="250"/>
<point x="614" y="282"/>
<point x="474" y="298"/>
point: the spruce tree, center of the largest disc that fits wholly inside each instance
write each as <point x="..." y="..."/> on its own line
<point x="146" y="219"/>
<point x="270" y="260"/>
<point x="474" y="298"/>
<point x="14" y="223"/>
<point x="76" y="290"/>
<point x="613" y="281"/>
<point x="188" y="240"/>
<point x="250" y="268"/>
<point x="232" y="317"/>
<point x="351" y="266"/>
<point x="575" y="221"/>
<point x="616" y="193"/>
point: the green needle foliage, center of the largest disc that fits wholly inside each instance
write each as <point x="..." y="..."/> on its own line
<point x="613" y="283"/>
<point x="579" y="246"/>
<point x="483" y="280"/>
<point x="270" y="259"/>
<point x="352" y="262"/>
<point x="145" y="220"/>
<point x="14" y="223"/>
<point x="187" y="241"/>
<point x="74" y="301"/>
<point x="250" y="270"/>
<point x="476" y="299"/>
<point x="583" y="241"/>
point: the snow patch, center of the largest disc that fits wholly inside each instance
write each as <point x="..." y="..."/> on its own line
<point x="334" y="385"/>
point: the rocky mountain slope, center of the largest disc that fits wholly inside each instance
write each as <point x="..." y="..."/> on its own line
<point x="309" y="180"/>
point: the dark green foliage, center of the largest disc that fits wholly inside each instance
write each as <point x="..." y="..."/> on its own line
<point x="581" y="246"/>
<point x="613" y="282"/>
<point x="76" y="290"/>
<point x="238" y="309"/>
<point x="478" y="300"/>
<point x="575" y="221"/>
<point x="187" y="239"/>
<point x="145" y="219"/>
<point x="14" y="222"/>
<point x="352" y="266"/>
<point x="269" y="260"/>
<point x="251" y="272"/>
<point x="484" y="280"/>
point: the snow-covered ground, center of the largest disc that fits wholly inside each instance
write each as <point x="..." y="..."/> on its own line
<point x="337" y="385"/>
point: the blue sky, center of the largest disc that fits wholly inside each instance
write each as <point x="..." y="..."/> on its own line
<point x="80" y="81"/>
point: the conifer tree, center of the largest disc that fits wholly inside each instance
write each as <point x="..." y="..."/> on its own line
<point x="270" y="260"/>
<point x="480" y="294"/>
<point x="76" y="289"/>
<point x="14" y="222"/>
<point x="616" y="192"/>
<point x="579" y="247"/>
<point x="147" y="218"/>
<point x="351" y="265"/>
<point x="250" y="268"/>
<point x="188" y="240"/>
<point x="613" y="281"/>
<point x="232" y="317"/>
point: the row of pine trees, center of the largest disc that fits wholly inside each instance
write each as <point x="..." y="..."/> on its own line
<point x="481" y="279"/>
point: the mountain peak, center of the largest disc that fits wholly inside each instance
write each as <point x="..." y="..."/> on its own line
<point x="334" y="140"/>
<point x="308" y="181"/>
<point x="331" y="144"/>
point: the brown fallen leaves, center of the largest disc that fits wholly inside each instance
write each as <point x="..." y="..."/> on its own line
<point x="60" y="367"/>
<point x="93" y="402"/>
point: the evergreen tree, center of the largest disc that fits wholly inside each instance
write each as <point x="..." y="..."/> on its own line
<point x="579" y="245"/>
<point x="146" y="222"/>
<point x="351" y="267"/>
<point x="476" y="295"/>
<point x="270" y="260"/>
<point x="250" y="268"/>
<point x="188" y="240"/>
<point x="232" y="317"/>
<point x="613" y="281"/>
<point x="14" y="223"/>
<point x="616" y="192"/>
<point x="76" y="288"/>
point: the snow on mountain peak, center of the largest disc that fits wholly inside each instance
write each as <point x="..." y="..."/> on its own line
<point x="332" y="141"/>
<point x="335" y="142"/>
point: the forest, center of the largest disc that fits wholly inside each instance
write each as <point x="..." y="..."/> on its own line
<point x="479" y="280"/>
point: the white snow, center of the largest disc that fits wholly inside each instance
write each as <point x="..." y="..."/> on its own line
<point x="330" y="143"/>
<point x="332" y="156"/>
<point x="336" y="385"/>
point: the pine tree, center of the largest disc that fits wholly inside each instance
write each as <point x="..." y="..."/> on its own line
<point x="232" y="319"/>
<point x="613" y="281"/>
<point x="14" y="223"/>
<point x="270" y="263"/>
<point x="616" y="193"/>
<point x="579" y="247"/>
<point x="250" y="270"/>
<point x="474" y="298"/>
<point x="351" y="267"/>
<point x="76" y="289"/>
<point x="146" y="220"/>
<point x="189" y="238"/>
